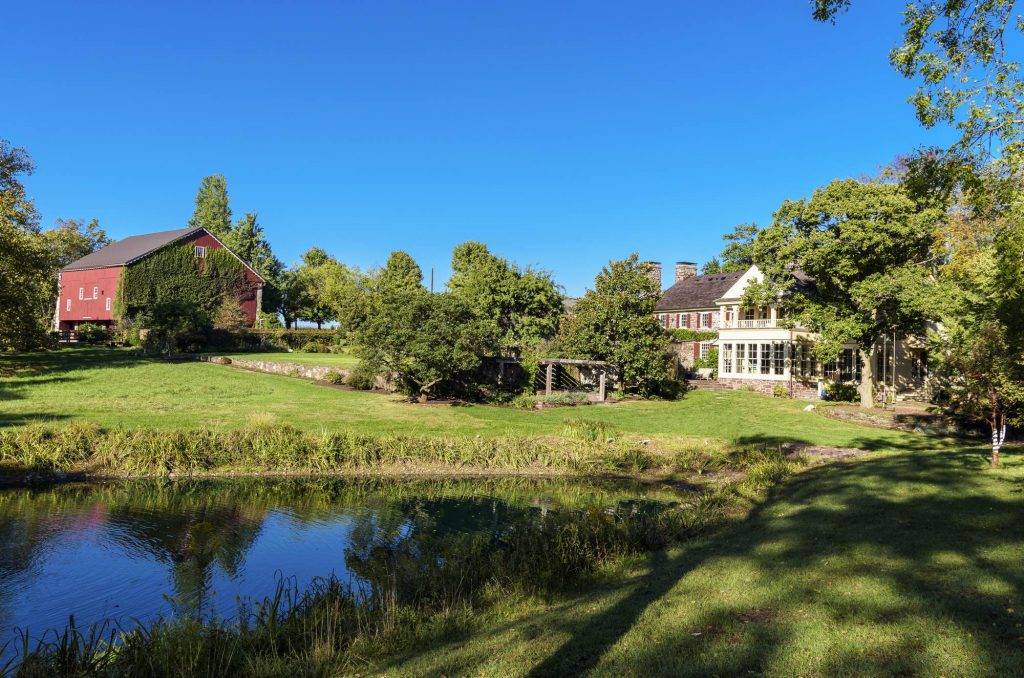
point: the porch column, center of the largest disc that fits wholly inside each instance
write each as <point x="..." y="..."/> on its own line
<point x="549" y="378"/>
<point x="773" y="313"/>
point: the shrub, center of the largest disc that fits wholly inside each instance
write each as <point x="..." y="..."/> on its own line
<point x="91" y="333"/>
<point x="565" y="399"/>
<point x="315" y="347"/>
<point x="841" y="392"/>
<point x="780" y="391"/>
<point x="334" y="377"/>
<point x="524" y="402"/>
<point x="683" y="334"/>
<point x="361" y="378"/>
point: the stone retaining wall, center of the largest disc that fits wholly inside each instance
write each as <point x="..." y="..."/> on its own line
<point x="932" y="424"/>
<point x="316" y="372"/>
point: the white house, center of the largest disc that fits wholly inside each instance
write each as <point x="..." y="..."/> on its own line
<point x="757" y="349"/>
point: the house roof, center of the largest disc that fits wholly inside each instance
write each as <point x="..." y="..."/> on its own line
<point x="700" y="291"/>
<point x="129" y="249"/>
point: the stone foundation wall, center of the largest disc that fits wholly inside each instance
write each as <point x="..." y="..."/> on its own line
<point x="802" y="390"/>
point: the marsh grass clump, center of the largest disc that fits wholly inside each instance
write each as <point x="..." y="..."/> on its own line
<point x="266" y="446"/>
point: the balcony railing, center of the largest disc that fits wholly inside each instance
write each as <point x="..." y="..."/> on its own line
<point x="757" y="323"/>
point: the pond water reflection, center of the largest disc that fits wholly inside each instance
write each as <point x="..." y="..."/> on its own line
<point x="137" y="550"/>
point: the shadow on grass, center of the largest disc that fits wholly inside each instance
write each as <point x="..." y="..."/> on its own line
<point x="896" y="564"/>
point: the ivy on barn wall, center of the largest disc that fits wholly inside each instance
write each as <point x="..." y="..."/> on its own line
<point x="174" y="274"/>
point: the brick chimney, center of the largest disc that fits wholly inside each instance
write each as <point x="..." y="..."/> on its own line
<point x="685" y="269"/>
<point x="654" y="272"/>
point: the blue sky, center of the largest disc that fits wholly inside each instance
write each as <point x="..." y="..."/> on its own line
<point x="561" y="134"/>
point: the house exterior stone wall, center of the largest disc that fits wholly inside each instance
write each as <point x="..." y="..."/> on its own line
<point x="802" y="390"/>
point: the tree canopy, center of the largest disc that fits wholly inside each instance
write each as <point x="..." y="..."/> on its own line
<point x="615" y="322"/>
<point x="867" y="247"/>
<point x="430" y="342"/>
<point x="518" y="306"/>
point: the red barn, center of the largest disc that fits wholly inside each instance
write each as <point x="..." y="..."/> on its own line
<point x="88" y="286"/>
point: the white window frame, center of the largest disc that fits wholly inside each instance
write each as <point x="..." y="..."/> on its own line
<point x="705" y="347"/>
<point x="705" y="319"/>
<point x="726" y="353"/>
<point x="81" y="293"/>
<point x="95" y="293"/>
<point x="67" y="306"/>
<point x="108" y="303"/>
<point x="200" y="251"/>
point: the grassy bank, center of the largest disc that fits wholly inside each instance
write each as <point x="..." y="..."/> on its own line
<point x="116" y="389"/>
<point x="583" y="447"/>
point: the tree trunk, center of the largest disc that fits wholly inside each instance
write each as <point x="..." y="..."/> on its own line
<point x="423" y="397"/>
<point x="866" y="388"/>
<point x="998" y="437"/>
<point x="319" y="325"/>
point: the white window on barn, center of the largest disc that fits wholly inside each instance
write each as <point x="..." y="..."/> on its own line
<point x="727" y="358"/>
<point x="108" y="303"/>
<point x="81" y="293"/>
<point x="67" y="306"/>
<point x="200" y="252"/>
<point x="95" y="293"/>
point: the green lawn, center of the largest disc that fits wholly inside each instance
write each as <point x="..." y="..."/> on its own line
<point x="346" y="360"/>
<point x="115" y="388"/>
<point x="898" y="564"/>
<point x="909" y="561"/>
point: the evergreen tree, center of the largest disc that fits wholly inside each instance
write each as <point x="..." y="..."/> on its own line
<point x="213" y="211"/>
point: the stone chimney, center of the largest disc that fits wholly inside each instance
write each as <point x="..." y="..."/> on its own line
<point x="654" y="272"/>
<point x="685" y="269"/>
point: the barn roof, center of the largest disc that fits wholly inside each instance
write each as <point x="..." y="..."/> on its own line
<point x="129" y="249"/>
<point x="699" y="291"/>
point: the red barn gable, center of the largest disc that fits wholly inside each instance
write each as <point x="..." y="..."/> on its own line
<point x="88" y="286"/>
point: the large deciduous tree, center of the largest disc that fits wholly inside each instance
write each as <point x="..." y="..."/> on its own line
<point x="25" y="281"/>
<point x="517" y="306"/>
<point x="960" y="54"/>
<point x="867" y="246"/>
<point x="738" y="254"/>
<point x="430" y="342"/>
<point x="401" y="273"/>
<point x="615" y="322"/>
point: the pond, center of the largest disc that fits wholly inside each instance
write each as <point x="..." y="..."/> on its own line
<point x="132" y="551"/>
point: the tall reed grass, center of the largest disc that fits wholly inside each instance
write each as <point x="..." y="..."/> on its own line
<point x="269" y="447"/>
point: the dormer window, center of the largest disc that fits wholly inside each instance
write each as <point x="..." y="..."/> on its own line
<point x="200" y="252"/>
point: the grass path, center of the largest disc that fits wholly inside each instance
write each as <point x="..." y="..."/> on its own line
<point x="114" y="388"/>
<point x="898" y="564"/>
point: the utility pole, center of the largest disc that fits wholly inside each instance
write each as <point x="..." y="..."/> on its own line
<point x="431" y="279"/>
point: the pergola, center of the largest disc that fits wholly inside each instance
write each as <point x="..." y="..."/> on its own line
<point x="549" y="374"/>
